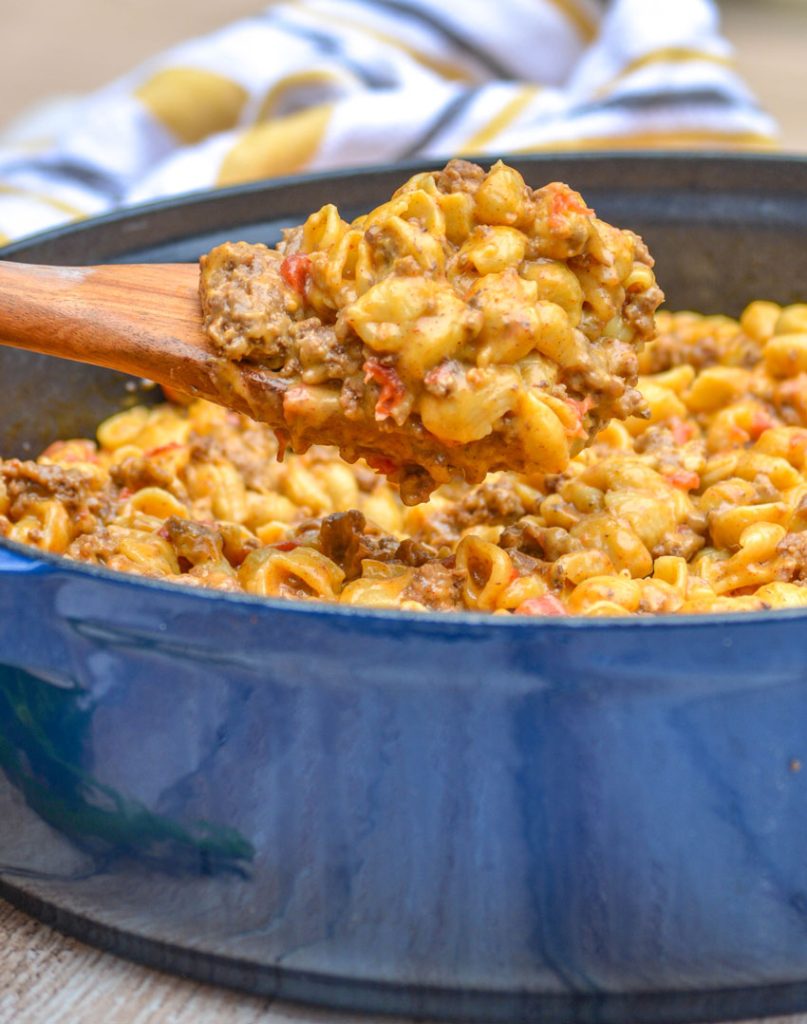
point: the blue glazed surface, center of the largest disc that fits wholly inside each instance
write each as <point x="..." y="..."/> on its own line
<point x="563" y="807"/>
<point x="458" y="816"/>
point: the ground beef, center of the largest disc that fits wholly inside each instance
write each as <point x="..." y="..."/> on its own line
<point x="95" y="548"/>
<point x="415" y="553"/>
<point x="669" y="456"/>
<point x="138" y="471"/>
<point x="245" y="299"/>
<point x="346" y="538"/>
<point x="765" y="490"/>
<point x="193" y="542"/>
<point x="351" y="397"/>
<point x="460" y="176"/>
<point x="443" y="379"/>
<point x="543" y="542"/>
<point x="640" y="308"/>
<point x="525" y="564"/>
<point x="494" y="502"/>
<point x="684" y="543"/>
<point x="670" y="349"/>
<point x="436" y="586"/>
<point x="793" y="562"/>
<point x="27" y="481"/>
<point x="322" y="355"/>
<point x="642" y="252"/>
<point x="360" y="334"/>
<point x="252" y="449"/>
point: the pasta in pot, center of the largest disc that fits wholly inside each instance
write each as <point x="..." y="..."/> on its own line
<point x="700" y="507"/>
<point x="469" y="324"/>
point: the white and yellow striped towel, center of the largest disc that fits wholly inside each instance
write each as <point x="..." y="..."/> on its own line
<point x="317" y="84"/>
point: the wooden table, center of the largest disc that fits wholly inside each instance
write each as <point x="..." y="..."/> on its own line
<point x="46" y="978"/>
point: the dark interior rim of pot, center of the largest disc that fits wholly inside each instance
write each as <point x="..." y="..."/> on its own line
<point x="706" y="181"/>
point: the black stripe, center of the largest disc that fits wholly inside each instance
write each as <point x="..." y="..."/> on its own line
<point x="487" y="60"/>
<point x="98" y="181"/>
<point x="94" y="180"/>
<point x="665" y="98"/>
<point x="329" y="45"/>
<point x="450" y="113"/>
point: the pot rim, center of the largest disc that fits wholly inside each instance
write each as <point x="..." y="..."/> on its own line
<point x="46" y="561"/>
<point x="670" y="161"/>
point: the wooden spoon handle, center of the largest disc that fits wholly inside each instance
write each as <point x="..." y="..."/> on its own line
<point x="142" y="319"/>
<point x="138" y="319"/>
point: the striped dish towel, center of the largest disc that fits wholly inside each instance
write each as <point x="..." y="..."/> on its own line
<point x="317" y="84"/>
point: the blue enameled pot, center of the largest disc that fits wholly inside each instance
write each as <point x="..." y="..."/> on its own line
<point x="458" y="816"/>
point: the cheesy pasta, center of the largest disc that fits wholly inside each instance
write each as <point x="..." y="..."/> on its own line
<point x="469" y="324"/>
<point x="700" y="507"/>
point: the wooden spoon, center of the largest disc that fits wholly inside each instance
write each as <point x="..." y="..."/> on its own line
<point x="144" y="320"/>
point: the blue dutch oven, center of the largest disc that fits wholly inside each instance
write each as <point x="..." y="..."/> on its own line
<point x="438" y="815"/>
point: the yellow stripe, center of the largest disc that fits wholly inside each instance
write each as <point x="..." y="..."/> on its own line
<point x="660" y="140"/>
<point x="585" y="26"/>
<point x="509" y="112"/>
<point x="46" y="200"/>
<point x="280" y="89"/>
<point x="284" y="146"/>
<point x="4" y="239"/>
<point x="667" y="55"/>
<point x="193" y="103"/>
<point x="447" y="69"/>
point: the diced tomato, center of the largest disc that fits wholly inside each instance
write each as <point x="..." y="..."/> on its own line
<point x="442" y="377"/>
<point x="736" y="435"/>
<point x="565" y="201"/>
<point x="392" y="387"/>
<point x="77" y="450"/>
<point x="546" y="605"/>
<point x="579" y="408"/>
<point x="295" y="271"/>
<point x="685" y="479"/>
<point x="162" y="449"/>
<point x="381" y="464"/>
<point x="797" y="442"/>
<point x="791" y="396"/>
<point x="583" y="406"/>
<point x="682" y="431"/>
<point x="760" y="422"/>
<point x="285" y="545"/>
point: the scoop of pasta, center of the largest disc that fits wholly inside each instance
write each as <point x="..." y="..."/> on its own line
<point x="469" y="324"/>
